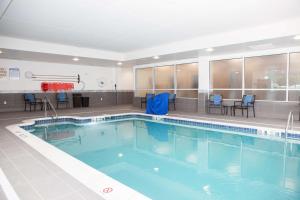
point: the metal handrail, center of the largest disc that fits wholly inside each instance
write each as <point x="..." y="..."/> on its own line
<point x="289" y="123"/>
<point x="46" y="100"/>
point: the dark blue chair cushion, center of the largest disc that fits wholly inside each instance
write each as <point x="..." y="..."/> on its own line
<point x="247" y="99"/>
<point x="149" y="96"/>
<point x="172" y="97"/>
<point x="217" y="99"/>
<point x="61" y="96"/>
<point x="29" y="97"/>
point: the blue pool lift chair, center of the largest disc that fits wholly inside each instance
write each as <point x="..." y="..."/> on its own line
<point x="62" y="98"/>
<point x="248" y="102"/>
<point x="31" y="100"/>
<point x="215" y="101"/>
<point x="144" y="99"/>
<point x="172" y="100"/>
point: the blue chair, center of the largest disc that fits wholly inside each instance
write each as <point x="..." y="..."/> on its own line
<point x="62" y="98"/>
<point x="215" y="101"/>
<point x="144" y="99"/>
<point x="31" y="100"/>
<point x="172" y="100"/>
<point x="246" y="103"/>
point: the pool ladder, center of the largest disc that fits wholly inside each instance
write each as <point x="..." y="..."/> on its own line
<point x="46" y="103"/>
<point x="289" y="124"/>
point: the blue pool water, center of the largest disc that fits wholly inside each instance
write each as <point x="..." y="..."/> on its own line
<point x="165" y="161"/>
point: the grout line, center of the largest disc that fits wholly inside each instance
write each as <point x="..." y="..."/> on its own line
<point x="5" y="10"/>
<point x="44" y="166"/>
<point x="25" y="178"/>
<point x="7" y="188"/>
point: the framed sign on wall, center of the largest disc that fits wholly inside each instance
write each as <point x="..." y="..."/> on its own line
<point x="14" y="73"/>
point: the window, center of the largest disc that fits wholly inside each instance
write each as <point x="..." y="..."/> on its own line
<point x="263" y="76"/>
<point x="266" y="76"/>
<point x="143" y="81"/>
<point x="272" y="95"/>
<point x="187" y="80"/>
<point x="142" y="93"/>
<point x="187" y="93"/>
<point x="164" y="77"/>
<point x="226" y="78"/>
<point x="266" y="72"/>
<point x="294" y="77"/>
<point x="183" y="82"/>
<point x="144" y="78"/>
<point x="229" y="94"/>
<point x="187" y="76"/>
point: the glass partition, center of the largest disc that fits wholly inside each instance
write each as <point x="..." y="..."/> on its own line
<point x="142" y="93"/>
<point x="144" y="78"/>
<point x="272" y="95"/>
<point x="183" y="81"/>
<point x="226" y="74"/>
<point x="294" y="72"/>
<point x="266" y="72"/>
<point x="187" y="76"/>
<point x="226" y="78"/>
<point x="294" y="77"/>
<point x="164" y="77"/>
<point x="228" y="94"/>
<point x="187" y="93"/>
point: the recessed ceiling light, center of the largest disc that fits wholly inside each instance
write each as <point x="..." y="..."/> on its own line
<point x="1" y="52"/>
<point x="155" y="57"/>
<point x="209" y="49"/>
<point x="297" y="37"/>
<point x="75" y="59"/>
<point x="119" y="63"/>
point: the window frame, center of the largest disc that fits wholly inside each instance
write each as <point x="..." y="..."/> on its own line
<point x="257" y="54"/>
<point x="175" y="89"/>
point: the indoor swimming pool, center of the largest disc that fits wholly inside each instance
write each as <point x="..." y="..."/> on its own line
<point x="164" y="160"/>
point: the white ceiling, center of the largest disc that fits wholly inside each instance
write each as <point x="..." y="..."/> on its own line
<point x="130" y="25"/>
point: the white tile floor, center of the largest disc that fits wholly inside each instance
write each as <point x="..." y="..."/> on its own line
<point x="35" y="177"/>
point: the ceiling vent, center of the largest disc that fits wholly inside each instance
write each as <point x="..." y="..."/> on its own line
<point x="262" y="46"/>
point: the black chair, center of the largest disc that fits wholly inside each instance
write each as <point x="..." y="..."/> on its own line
<point x="144" y="99"/>
<point x="62" y="98"/>
<point x="31" y="100"/>
<point x="172" y="100"/>
<point x="246" y="103"/>
<point x="215" y="101"/>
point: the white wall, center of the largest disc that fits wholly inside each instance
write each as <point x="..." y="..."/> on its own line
<point x="125" y="78"/>
<point x="90" y="75"/>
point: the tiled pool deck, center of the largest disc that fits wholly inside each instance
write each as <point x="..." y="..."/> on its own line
<point x="35" y="177"/>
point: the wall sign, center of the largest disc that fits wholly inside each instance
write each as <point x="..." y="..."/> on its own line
<point x="3" y="72"/>
<point x="14" y="73"/>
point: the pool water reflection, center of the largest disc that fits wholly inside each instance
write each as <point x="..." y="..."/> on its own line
<point x="166" y="161"/>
